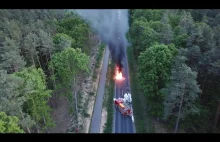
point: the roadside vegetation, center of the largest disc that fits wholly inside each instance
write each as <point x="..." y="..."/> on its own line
<point x="143" y="122"/>
<point x="44" y="56"/>
<point x="46" y="59"/>
<point x="99" y="58"/>
<point x="108" y="100"/>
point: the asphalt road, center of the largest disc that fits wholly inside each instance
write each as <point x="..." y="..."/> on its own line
<point x="122" y="124"/>
<point x="97" y="110"/>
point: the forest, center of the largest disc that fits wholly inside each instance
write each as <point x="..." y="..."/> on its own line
<point x="177" y="54"/>
<point x="41" y="52"/>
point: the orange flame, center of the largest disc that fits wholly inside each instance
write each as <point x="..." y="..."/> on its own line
<point x="118" y="75"/>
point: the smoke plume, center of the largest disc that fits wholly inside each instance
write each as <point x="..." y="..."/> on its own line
<point x="112" y="26"/>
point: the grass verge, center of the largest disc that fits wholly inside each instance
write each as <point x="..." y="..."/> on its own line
<point x="98" y="59"/>
<point x="143" y="123"/>
<point x="109" y="97"/>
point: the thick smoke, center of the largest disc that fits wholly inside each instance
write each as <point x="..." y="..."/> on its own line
<point x="112" y="26"/>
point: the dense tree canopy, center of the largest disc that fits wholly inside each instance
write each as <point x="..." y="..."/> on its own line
<point x="177" y="54"/>
<point x="191" y="77"/>
<point x="36" y="94"/>
<point x="182" y="91"/>
<point x="9" y="124"/>
<point x="154" y="65"/>
<point x="29" y="41"/>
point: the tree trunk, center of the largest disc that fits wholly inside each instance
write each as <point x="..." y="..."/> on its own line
<point x="42" y="60"/>
<point x="38" y="61"/>
<point x="76" y="108"/>
<point x="203" y="87"/>
<point x="75" y="96"/>
<point x="26" y="125"/>
<point x="45" y="123"/>
<point x="15" y="68"/>
<point x="216" y="117"/>
<point x="54" y="82"/>
<point x="33" y="60"/>
<point x="11" y="70"/>
<point x="74" y="86"/>
<point x="72" y="102"/>
<point x="180" y="107"/>
<point x="47" y="58"/>
<point x="51" y="102"/>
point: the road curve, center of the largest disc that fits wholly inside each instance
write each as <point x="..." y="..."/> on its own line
<point x="122" y="124"/>
<point x="97" y="110"/>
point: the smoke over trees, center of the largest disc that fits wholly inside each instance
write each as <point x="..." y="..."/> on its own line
<point x="112" y="26"/>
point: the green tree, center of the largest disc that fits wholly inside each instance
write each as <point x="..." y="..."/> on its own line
<point x="216" y="31"/>
<point x="180" y="37"/>
<point x="12" y="30"/>
<point x="9" y="124"/>
<point x="31" y="41"/>
<point x="206" y="37"/>
<point x="142" y="36"/>
<point x="77" y="29"/>
<point x="46" y="45"/>
<point x="186" y="22"/>
<point x="149" y="14"/>
<point x="197" y="14"/>
<point x="215" y="68"/>
<point x="193" y="55"/>
<point x="153" y="73"/>
<point x="37" y="95"/>
<point x="10" y="56"/>
<point x="174" y="20"/>
<point x="196" y="34"/>
<point x="68" y="65"/>
<point x="62" y="41"/>
<point x="166" y="34"/>
<point x="182" y="91"/>
<point x="12" y="99"/>
<point x="164" y="31"/>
